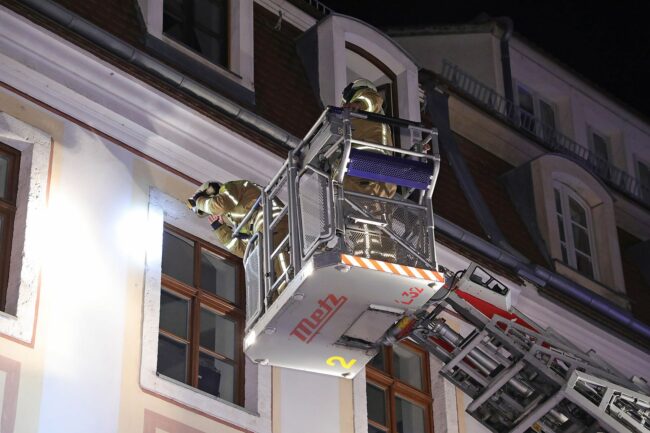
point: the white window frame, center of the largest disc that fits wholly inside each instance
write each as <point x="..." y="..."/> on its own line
<point x="255" y="416"/>
<point x="334" y="31"/>
<point x="537" y="112"/>
<point x="240" y="39"/>
<point x="565" y="192"/>
<point x="35" y="146"/>
<point x="591" y="131"/>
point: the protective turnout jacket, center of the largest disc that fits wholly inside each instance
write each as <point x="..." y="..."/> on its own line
<point x="373" y="132"/>
<point x="233" y="202"/>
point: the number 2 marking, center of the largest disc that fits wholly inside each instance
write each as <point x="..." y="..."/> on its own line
<point x="345" y="364"/>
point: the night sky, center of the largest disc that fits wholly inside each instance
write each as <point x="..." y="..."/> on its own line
<point x="606" y="42"/>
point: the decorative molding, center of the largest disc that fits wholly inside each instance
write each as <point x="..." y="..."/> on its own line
<point x="11" y="370"/>
<point x="256" y="415"/>
<point x="62" y="75"/>
<point x="19" y="319"/>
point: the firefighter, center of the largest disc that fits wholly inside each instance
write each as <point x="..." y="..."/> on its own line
<point x="361" y="94"/>
<point x="227" y="204"/>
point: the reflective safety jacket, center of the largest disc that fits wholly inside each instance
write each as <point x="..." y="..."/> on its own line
<point x="234" y="200"/>
<point x="366" y="130"/>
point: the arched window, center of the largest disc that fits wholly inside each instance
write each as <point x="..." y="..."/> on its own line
<point x="575" y="231"/>
<point x="361" y="64"/>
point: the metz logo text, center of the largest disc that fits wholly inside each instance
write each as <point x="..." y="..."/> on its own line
<point x="308" y="327"/>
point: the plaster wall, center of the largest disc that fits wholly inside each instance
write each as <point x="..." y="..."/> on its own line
<point x="476" y="53"/>
<point x="581" y="107"/>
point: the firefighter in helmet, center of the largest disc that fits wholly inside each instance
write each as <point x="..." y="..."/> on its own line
<point x="367" y="241"/>
<point x="362" y="95"/>
<point x="226" y="205"/>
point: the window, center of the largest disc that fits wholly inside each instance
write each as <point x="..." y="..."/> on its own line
<point x="535" y="114"/>
<point x="9" y="166"/>
<point x="201" y="316"/>
<point x="575" y="227"/>
<point x="644" y="180"/>
<point x="398" y="391"/>
<point x="201" y="25"/>
<point x="360" y="64"/>
<point x="600" y="148"/>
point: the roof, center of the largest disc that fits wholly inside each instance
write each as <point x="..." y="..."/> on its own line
<point x="494" y="28"/>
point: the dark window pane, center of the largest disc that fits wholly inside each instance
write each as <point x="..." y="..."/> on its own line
<point x="565" y="259"/>
<point x="218" y="276"/>
<point x="558" y="201"/>
<point x="4" y="174"/>
<point x="584" y="266"/>
<point x="560" y="226"/>
<point x="373" y="429"/>
<point x="178" y="258"/>
<point x="547" y="114"/>
<point x="211" y="47"/>
<point x="211" y="15"/>
<point x="378" y="361"/>
<point x="581" y="239"/>
<point x="172" y="359"/>
<point x="578" y="213"/>
<point x="644" y="180"/>
<point x="174" y="312"/>
<point x="216" y="377"/>
<point x="217" y="333"/>
<point x="376" y="398"/>
<point x="409" y="417"/>
<point x="407" y="366"/>
<point x="600" y="146"/>
<point x="526" y="101"/>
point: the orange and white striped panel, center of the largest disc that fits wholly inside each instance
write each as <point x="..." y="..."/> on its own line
<point x="392" y="268"/>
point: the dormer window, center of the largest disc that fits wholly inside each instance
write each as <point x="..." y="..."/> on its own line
<point x="201" y="25"/>
<point x="575" y="230"/>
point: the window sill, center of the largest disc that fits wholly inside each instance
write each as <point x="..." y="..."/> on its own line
<point x="198" y="67"/>
<point x="618" y="299"/>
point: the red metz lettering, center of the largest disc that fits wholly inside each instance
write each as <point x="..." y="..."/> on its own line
<point x="306" y="329"/>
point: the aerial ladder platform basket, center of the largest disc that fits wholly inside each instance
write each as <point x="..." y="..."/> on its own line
<point x="357" y="263"/>
<point x="362" y="272"/>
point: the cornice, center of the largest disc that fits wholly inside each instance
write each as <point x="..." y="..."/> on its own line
<point x="64" y="76"/>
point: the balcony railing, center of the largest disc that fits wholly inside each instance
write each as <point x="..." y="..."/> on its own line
<point x="547" y="135"/>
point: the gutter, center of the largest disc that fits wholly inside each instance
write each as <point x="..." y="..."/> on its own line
<point x="127" y="52"/>
<point x="534" y="273"/>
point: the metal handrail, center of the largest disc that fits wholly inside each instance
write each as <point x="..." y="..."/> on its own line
<point x="547" y="135"/>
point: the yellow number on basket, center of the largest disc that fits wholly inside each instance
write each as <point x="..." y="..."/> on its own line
<point x="345" y="364"/>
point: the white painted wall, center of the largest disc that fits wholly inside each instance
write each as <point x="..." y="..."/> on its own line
<point x="581" y="106"/>
<point x="475" y="53"/>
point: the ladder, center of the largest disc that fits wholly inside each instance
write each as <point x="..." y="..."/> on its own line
<point x="523" y="378"/>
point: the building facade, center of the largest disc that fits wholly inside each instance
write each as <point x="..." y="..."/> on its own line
<point x="119" y="305"/>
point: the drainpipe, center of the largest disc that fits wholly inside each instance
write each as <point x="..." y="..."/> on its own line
<point x="506" y="23"/>
<point x="116" y="46"/>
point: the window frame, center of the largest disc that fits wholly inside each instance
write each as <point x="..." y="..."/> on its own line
<point x="255" y="415"/>
<point x="8" y="207"/>
<point x="540" y="129"/>
<point x="394" y="387"/>
<point x="565" y="192"/>
<point x="228" y="24"/>
<point x="198" y="299"/>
